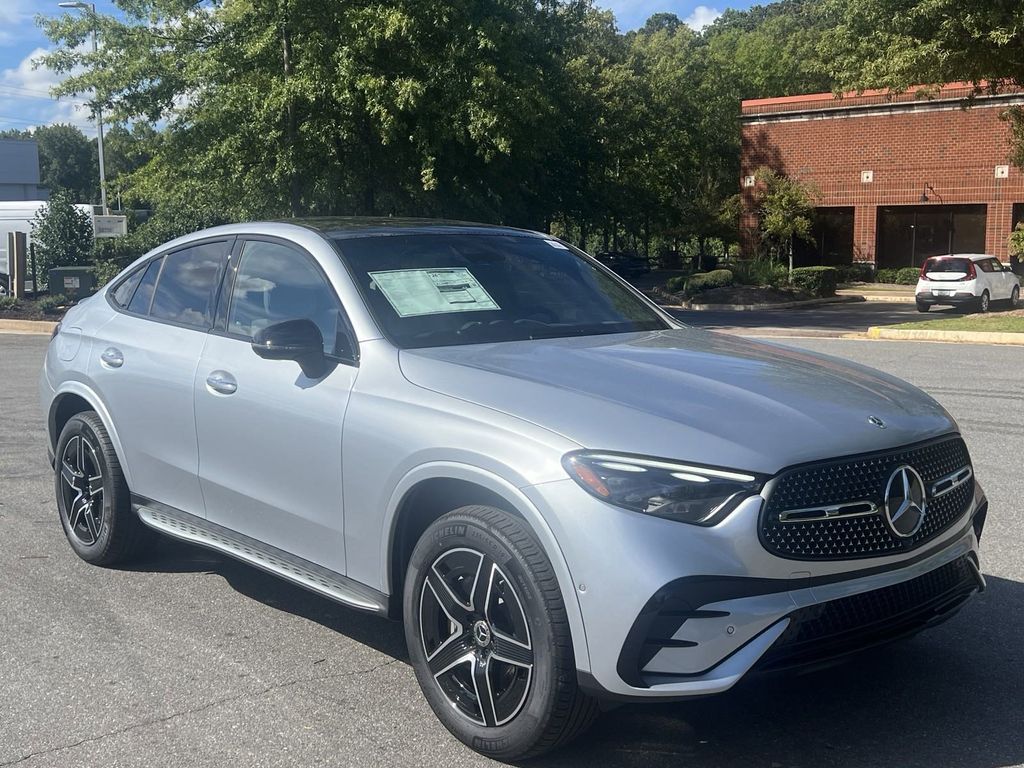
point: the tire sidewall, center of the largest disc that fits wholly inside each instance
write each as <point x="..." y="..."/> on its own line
<point x="77" y="425"/>
<point x="459" y="530"/>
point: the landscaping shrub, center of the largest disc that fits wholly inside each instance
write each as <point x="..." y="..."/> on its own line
<point x="9" y="303"/>
<point x="817" y="281"/>
<point x="51" y="305"/>
<point x="759" y="272"/>
<point x="705" y="281"/>
<point x="676" y="284"/>
<point x="907" y="276"/>
<point x="857" y="272"/>
<point x="886" y="275"/>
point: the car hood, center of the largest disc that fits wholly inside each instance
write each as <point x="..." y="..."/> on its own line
<point x="687" y="394"/>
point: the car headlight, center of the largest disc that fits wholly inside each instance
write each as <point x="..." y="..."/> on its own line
<point x="664" y="488"/>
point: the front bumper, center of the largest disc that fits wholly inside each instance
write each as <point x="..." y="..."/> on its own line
<point x="673" y="611"/>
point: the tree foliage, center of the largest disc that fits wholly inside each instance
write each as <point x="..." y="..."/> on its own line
<point x="785" y="210"/>
<point x="62" y="234"/>
<point x="526" y="112"/>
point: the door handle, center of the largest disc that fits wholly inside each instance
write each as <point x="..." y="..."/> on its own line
<point x="112" y="357"/>
<point x="222" y="382"/>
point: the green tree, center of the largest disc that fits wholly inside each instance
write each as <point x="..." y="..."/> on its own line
<point x="899" y="44"/>
<point x="62" y="233"/>
<point x="68" y="160"/>
<point x="785" y="210"/>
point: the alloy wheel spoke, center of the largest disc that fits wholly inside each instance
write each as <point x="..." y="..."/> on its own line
<point x="68" y="474"/>
<point x="78" y="506"/>
<point x="447" y="600"/>
<point x="484" y="691"/>
<point x="80" y="456"/>
<point x="481" y="588"/>
<point x="511" y="652"/>
<point x="91" y="523"/>
<point x="450" y="655"/>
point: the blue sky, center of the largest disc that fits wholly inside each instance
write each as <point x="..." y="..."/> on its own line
<point x="24" y="91"/>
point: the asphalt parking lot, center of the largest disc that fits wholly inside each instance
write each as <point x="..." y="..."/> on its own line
<point x="823" y="319"/>
<point x="190" y="659"/>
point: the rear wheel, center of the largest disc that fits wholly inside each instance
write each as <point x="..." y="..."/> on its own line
<point x="922" y="307"/>
<point x="489" y="638"/>
<point x="1015" y="297"/>
<point x="92" y="496"/>
<point x="984" y="302"/>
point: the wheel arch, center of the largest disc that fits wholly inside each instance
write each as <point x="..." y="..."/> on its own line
<point x="75" y="397"/>
<point x="432" y="490"/>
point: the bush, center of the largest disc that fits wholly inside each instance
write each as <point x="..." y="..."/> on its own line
<point x="907" y="276"/>
<point x="886" y="275"/>
<point x="817" y="281"/>
<point x="51" y="305"/>
<point x="759" y="272"/>
<point x="857" y="272"/>
<point x="676" y="284"/>
<point x="705" y="281"/>
<point x="9" y="304"/>
<point x="105" y="271"/>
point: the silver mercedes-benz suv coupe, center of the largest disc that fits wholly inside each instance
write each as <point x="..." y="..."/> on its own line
<point x="565" y="494"/>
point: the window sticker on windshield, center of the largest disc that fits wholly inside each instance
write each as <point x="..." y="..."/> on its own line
<point x="414" y="292"/>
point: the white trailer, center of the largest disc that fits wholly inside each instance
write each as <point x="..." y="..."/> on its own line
<point x="17" y="217"/>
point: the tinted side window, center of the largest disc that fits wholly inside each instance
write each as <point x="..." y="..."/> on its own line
<point x="985" y="266"/>
<point x="144" y="292"/>
<point x="187" y="284"/>
<point x="122" y="294"/>
<point x="275" y="283"/>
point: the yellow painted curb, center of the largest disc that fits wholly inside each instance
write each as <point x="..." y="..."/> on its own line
<point x="956" y="337"/>
<point x="42" y="327"/>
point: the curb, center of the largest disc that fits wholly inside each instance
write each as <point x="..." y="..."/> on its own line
<point x="41" y="327"/>
<point x="892" y="299"/>
<point x="955" y="337"/>
<point x="762" y="307"/>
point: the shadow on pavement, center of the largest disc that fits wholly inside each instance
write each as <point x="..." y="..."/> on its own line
<point x="952" y="696"/>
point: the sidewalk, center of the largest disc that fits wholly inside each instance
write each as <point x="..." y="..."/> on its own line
<point x="903" y="294"/>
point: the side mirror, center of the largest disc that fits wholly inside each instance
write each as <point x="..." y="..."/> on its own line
<point x="298" y="340"/>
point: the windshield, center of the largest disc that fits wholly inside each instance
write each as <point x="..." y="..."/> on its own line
<point x="947" y="265"/>
<point x="450" y="289"/>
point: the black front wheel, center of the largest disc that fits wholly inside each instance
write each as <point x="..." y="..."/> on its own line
<point x="488" y="636"/>
<point x="92" y="495"/>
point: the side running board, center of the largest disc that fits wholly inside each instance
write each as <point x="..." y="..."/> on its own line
<point x="196" y="530"/>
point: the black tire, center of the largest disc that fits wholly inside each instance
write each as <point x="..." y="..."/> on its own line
<point x="922" y="307"/>
<point x="534" y="710"/>
<point x="1015" y="297"/>
<point x="92" y="496"/>
<point x="984" y="303"/>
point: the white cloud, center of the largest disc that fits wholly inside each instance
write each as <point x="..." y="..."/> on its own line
<point x="702" y="16"/>
<point x="14" y="14"/>
<point x="25" y="100"/>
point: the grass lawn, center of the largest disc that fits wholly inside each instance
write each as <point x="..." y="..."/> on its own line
<point x="995" y="322"/>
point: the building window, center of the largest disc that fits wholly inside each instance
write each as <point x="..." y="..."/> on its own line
<point x="909" y="234"/>
<point x="832" y="234"/>
<point x="1018" y="215"/>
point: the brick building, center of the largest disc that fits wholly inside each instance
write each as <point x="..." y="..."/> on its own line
<point x="899" y="178"/>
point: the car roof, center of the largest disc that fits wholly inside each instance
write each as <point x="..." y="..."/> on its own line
<point x="342" y="227"/>
<point x="971" y="256"/>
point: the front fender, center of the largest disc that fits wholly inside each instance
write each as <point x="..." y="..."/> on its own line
<point x="521" y="504"/>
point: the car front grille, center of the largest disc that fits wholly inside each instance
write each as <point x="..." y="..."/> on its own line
<point x="829" y="630"/>
<point x="861" y="479"/>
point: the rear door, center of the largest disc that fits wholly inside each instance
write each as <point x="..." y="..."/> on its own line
<point x="1005" y="277"/>
<point x="989" y="278"/>
<point x="144" y="363"/>
<point x="269" y="437"/>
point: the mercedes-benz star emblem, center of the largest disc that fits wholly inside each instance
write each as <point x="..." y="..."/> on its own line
<point x="876" y="421"/>
<point x="905" y="502"/>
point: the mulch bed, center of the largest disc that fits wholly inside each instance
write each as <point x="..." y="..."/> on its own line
<point x="749" y="294"/>
<point x="29" y="310"/>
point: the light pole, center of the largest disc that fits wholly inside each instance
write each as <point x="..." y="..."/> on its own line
<point x="90" y="8"/>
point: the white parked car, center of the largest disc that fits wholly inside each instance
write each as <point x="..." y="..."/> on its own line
<point x="966" y="280"/>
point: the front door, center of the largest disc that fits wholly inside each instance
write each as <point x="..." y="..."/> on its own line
<point x="269" y="437"/>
